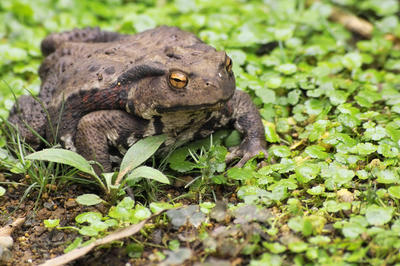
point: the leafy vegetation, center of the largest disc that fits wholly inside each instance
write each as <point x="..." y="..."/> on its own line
<point x="111" y="183"/>
<point x="330" y="99"/>
<point x="125" y="213"/>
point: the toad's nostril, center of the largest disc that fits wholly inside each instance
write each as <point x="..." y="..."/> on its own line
<point x="208" y="83"/>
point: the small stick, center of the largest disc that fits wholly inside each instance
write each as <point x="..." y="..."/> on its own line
<point x="352" y="22"/>
<point x="8" y="229"/>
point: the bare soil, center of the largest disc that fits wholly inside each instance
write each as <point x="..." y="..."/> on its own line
<point x="34" y="243"/>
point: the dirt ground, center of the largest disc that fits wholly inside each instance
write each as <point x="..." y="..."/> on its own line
<point x="34" y="243"/>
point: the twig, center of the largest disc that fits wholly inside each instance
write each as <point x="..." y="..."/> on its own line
<point x="352" y="22"/>
<point x="8" y="229"/>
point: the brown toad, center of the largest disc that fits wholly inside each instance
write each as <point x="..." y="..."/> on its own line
<point x="106" y="90"/>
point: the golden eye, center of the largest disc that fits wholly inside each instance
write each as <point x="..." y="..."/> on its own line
<point x="228" y="64"/>
<point x="178" y="79"/>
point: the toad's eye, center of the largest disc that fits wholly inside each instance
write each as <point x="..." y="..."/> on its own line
<point x="178" y="79"/>
<point x="228" y="64"/>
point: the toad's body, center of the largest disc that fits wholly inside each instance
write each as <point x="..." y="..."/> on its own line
<point x="103" y="89"/>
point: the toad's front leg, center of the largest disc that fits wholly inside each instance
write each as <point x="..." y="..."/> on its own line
<point x="248" y="122"/>
<point x="100" y="130"/>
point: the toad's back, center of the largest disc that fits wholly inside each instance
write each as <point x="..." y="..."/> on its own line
<point x="86" y="63"/>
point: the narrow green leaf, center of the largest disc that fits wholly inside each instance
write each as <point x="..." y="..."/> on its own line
<point x="141" y="151"/>
<point x="65" y="157"/>
<point x="149" y="173"/>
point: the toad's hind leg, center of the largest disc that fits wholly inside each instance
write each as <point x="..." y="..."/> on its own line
<point x="55" y="40"/>
<point x="100" y="130"/>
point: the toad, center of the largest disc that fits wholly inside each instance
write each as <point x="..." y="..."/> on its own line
<point x="102" y="90"/>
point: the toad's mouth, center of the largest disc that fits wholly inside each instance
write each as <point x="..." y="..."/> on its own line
<point x="198" y="107"/>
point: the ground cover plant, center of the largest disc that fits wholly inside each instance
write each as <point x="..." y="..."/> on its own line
<point x="324" y="75"/>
